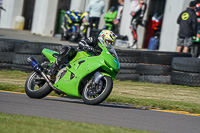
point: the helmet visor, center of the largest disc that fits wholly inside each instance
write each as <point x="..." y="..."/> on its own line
<point x="109" y="42"/>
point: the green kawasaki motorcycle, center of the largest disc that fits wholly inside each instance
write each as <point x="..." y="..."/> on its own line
<point x="85" y="76"/>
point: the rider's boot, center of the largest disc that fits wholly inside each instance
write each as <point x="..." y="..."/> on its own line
<point x="134" y="46"/>
<point x="53" y="70"/>
<point x="67" y="53"/>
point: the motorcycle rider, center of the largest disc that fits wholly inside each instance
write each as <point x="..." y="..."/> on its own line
<point x="89" y="45"/>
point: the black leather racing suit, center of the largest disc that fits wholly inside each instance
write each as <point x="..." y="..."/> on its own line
<point x="68" y="52"/>
<point x="137" y="18"/>
<point x="90" y="45"/>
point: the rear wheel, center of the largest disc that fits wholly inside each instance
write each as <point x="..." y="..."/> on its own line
<point x="36" y="86"/>
<point x="95" y="95"/>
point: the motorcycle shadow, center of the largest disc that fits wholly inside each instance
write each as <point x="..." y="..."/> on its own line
<point x="103" y="104"/>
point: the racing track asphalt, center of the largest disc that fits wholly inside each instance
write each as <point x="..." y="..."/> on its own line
<point x="105" y="113"/>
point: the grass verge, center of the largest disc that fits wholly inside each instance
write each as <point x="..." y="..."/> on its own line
<point x="167" y="97"/>
<point x="28" y="124"/>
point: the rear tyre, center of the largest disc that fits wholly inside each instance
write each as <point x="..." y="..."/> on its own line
<point x="98" y="94"/>
<point x="36" y="86"/>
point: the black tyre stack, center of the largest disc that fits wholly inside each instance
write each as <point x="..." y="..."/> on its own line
<point x="186" y="71"/>
<point x="7" y="52"/>
<point x="155" y="66"/>
<point x="146" y="66"/>
<point x="135" y="65"/>
<point x="14" y="53"/>
<point x="128" y="62"/>
<point x="23" y="50"/>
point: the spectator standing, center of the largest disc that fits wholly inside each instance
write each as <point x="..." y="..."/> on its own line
<point x="1" y="8"/>
<point x="119" y="14"/>
<point x="187" y="21"/>
<point x="95" y="9"/>
<point x="198" y="17"/>
<point x="109" y="19"/>
<point x="134" y="4"/>
<point x="137" y="17"/>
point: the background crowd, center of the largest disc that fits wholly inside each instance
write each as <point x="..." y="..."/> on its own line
<point x="189" y="27"/>
<point x="89" y="21"/>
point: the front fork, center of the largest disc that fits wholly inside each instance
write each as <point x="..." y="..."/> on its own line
<point x="97" y="77"/>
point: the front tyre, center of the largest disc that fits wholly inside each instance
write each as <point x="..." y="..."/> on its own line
<point x="96" y="95"/>
<point x="36" y="86"/>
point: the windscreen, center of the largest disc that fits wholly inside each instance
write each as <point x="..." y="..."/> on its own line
<point x="111" y="50"/>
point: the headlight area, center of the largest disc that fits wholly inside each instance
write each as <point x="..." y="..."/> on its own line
<point x="109" y="68"/>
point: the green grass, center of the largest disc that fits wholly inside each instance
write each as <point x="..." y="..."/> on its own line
<point x="167" y="97"/>
<point x="154" y="104"/>
<point x="28" y="124"/>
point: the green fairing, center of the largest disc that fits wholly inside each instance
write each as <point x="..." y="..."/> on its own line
<point x="82" y="65"/>
<point x="49" y="54"/>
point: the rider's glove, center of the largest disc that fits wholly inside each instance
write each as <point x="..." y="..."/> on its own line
<point x="84" y="46"/>
<point x="132" y="14"/>
<point x="89" y="49"/>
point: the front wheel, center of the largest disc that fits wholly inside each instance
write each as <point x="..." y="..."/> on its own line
<point x="95" y="95"/>
<point x="36" y="86"/>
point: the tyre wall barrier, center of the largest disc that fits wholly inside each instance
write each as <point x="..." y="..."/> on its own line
<point x="7" y="52"/>
<point x="186" y="71"/>
<point x="135" y="65"/>
<point x="128" y="63"/>
<point x="14" y="53"/>
<point x="147" y="66"/>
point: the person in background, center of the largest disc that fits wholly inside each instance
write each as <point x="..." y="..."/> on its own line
<point x="134" y="4"/>
<point x="109" y="18"/>
<point x="187" y="21"/>
<point x="139" y="11"/>
<point x="95" y="9"/>
<point x="198" y="17"/>
<point x="1" y="8"/>
<point x="137" y="17"/>
<point x="116" y="21"/>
